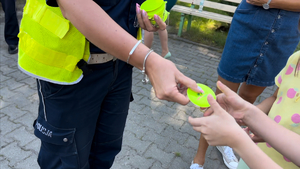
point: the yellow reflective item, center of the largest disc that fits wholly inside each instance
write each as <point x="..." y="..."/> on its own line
<point x="49" y="45"/>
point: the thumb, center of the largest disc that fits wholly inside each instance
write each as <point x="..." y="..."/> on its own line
<point x="214" y="105"/>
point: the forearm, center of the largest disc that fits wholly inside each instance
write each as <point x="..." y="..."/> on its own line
<point x="283" y="140"/>
<point x="94" y="23"/>
<point x="266" y="105"/>
<point x="253" y="156"/>
<point x="289" y="5"/>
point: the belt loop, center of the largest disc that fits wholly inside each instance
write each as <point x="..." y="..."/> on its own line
<point x="83" y="66"/>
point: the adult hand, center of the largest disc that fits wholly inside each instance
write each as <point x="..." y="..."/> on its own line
<point x="168" y="82"/>
<point x="145" y="23"/>
<point x="232" y="103"/>
<point x="219" y="128"/>
<point x="257" y="2"/>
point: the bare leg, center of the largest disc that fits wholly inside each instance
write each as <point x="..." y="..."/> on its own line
<point x="148" y="38"/>
<point x="203" y="145"/>
<point x="163" y="37"/>
<point x="200" y="155"/>
<point x="250" y="92"/>
<point x="233" y="86"/>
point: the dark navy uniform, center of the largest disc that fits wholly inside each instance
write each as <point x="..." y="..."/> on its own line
<point x="11" y="28"/>
<point x="81" y="126"/>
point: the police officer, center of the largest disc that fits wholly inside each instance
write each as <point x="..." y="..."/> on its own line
<point x="85" y="90"/>
<point x="11" y="28"/>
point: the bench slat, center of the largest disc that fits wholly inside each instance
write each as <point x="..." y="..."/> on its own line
<point x="191" y="11"/>
<point x="234" y="1"/>
<point x="221" y="7"/>
<point x="198" y="1"/>
<point x="204" y="14"/>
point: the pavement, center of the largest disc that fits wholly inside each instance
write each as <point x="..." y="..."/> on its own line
<point x="157" y="134"/>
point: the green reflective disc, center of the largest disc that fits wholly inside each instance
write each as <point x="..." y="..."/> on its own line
<point x="152" y="5"/>
<point x="200" y="99"/>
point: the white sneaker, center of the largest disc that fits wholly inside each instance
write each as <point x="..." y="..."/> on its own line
<point x="195" y="166"/>
<point x="229" y="158"/>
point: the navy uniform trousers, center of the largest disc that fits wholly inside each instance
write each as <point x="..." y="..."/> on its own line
<point x="11" y="28"/>
<point x="81" y="126"/>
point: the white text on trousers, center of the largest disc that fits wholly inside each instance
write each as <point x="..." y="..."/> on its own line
<point x="43" y="130"/>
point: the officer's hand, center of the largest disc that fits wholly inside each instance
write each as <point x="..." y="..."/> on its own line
<point x="168" y="82"/>
<point x="145" y="23"/>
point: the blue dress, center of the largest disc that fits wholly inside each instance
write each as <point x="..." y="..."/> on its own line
<point x="258" y="44"/>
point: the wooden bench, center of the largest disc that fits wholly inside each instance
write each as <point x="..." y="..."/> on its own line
<point x="201" y="11"/>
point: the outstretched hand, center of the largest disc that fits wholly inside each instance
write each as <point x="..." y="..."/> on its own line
<point x="220" y="128"/>
<point x="232" y="103"/>
<point x="168" y="82"/>
<point x="145" y="23"/>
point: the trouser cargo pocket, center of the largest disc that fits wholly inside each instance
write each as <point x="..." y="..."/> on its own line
<point x="58" y="147"/>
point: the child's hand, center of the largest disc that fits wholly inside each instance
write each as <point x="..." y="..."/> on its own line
<point x="232" y="103"/>
<point x="254" y="136"/>
<point x="219" y="128"/>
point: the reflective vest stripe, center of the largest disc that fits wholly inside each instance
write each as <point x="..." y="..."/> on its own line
<point x="53" y="58"/>
<point x="47" y="18"/>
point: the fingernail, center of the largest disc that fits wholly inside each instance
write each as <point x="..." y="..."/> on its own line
<point x="144" y="12"/>
<point x="200" y="89"/>
<point x="138" y="10"/>
<point x="155" y="17"/>
<point x="137" y="5"/>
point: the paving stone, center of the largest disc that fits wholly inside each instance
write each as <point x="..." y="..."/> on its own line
<point x="33" y="146"/>
<point x="160" y="155"/>
<point x="30" y="163"/>
<point x="7" y="126"/>
<point x="22" y="136"/>
<point x="180" y="151"/>
<point x="160" y="140"/>
<point x="11" y="84"/>
<point x="137" y="130"/>
<point x="14" y="153"/>
<point x="6" y="70"/>
<point x="179" y="137"/>
<point x="179" y="164"/>
<point x="135" y="142"/>
<point x="13" y="112"/>
<point x="175" y="123"/>
<point x="4" y="164"/>
<point x="26" y="120"/>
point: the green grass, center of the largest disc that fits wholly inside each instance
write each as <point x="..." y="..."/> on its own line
<point x="298" y="47"/>
<point x="177" y="154"/>
<point x="204" y="31"/>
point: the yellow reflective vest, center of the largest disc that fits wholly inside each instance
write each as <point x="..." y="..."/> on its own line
<point x="49" y="45"/>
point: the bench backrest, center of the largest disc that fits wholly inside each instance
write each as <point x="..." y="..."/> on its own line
<point x="215" y="5"/>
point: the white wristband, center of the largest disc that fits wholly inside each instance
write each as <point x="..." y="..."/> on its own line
<point x="133" y="49"/>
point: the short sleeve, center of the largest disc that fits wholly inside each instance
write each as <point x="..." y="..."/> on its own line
<point x="52" y="3"/>
<point x="288" y="69"/>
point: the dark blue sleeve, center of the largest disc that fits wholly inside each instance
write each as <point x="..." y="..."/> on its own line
<point x="52" y="3"/>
